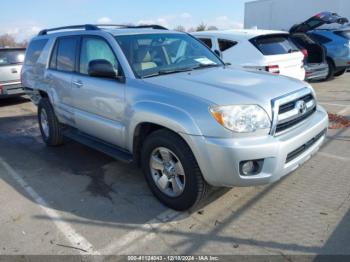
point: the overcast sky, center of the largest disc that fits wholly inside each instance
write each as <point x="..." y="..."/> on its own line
<point x="23" y="18"/>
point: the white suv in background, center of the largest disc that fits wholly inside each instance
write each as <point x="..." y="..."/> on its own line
<point x="261" y="50"/>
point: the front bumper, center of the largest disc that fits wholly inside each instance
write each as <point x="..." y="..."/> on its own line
<point x="219" y="159"/>
<point x="316" y="71"/>
<point x="11" y="89"/>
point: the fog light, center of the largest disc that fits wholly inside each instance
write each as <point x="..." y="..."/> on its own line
<point x="251" y="167"/>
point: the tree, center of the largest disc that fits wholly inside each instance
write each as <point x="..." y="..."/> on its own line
<point x="201" y="27"/>
<point x="212" y="28"/>
<point x="7" y="41"/>
<point x="180" y="28"/>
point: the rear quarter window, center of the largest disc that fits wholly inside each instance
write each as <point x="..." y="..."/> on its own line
<point x="225" y="44"/>
<point x="206" y="41"/>
<point x="34" y="51"/>
<point x="274" y="44"/>
<point x="344" y="34"/>
<point x="320" y="38"/>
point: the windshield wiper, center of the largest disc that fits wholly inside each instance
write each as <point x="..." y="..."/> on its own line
<point x="169" y="71"/>
<point x="200" y="66"/>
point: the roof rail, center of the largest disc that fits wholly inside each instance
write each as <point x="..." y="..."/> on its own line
<point x="98" y="27"/>
<point x="84" y="27"/>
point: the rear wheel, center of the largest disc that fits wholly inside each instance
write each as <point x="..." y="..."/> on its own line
<point x="171" y="171"/>
<point x="331" y="69"/>
<point x="341" y="72"/>
<point x="49" y="126"/>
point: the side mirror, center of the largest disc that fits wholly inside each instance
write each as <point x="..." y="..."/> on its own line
<point x="101" y="68"/>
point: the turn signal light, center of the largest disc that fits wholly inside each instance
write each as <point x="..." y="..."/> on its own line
<point x="274" y="69"/>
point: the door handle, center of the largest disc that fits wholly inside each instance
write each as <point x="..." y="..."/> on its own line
<point x="14" y="71"/>
<point x="78" y="84"/>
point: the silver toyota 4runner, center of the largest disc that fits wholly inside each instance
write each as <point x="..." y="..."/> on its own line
<point x="165" y="101"/>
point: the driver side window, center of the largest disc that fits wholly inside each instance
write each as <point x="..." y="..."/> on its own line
<point x="93" y="48"/>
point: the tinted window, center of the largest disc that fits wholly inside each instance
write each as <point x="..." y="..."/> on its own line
<point x="34" y="51"/>
<point x="274" y="44"/>
<point x="226" y="44"/>
<point x="345" y="34"/>
<point x="207" y="42"/>
<point x="53" y="61"/>
<point x="11" y="57"/>
<point x="320" y="38"/>
<point x="93" y="49"/>
<point x="66" y="54"/>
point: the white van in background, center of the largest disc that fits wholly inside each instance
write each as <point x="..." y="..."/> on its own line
<point x="261" y="50"/>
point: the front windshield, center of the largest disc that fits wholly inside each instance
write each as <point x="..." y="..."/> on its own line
<point x="156" y="54"/>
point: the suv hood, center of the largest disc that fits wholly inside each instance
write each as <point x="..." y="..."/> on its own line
<point x="317" y="21"/>
<point x="229" y="86"/>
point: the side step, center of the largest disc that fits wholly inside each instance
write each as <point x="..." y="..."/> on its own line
<point x="99" y="145"/>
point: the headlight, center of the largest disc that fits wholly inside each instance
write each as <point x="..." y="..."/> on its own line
<point x="241" y="118"/>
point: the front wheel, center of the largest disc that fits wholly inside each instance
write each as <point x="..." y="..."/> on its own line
<point x="171" y="171"/>
<point x="49" y="126"/>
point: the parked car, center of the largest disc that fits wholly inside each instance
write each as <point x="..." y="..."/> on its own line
<point x="261" y="50"/>
<point x="165" y="101"/>
<point x="315" y="62"/>
<point x="11" y="60"/>
<point x="335" y="39"/>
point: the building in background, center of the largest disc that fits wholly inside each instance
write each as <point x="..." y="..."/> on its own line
<point x="283" y="14"/>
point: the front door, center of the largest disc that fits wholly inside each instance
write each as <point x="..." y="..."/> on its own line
<point x="98" y="102"/>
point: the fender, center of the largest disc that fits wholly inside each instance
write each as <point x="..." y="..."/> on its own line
<point x="171" y="117"/>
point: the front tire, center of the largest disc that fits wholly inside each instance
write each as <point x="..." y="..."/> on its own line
<point x="50" y="128"/>
<point x="171" y="171"/>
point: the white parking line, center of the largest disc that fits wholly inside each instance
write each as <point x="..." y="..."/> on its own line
<point x="344" y="111"/>
<point x="334" y="156"/>
<point x="75" y="239"/>
<point x="145" y="232"/>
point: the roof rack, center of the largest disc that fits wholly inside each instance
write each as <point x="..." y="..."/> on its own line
<point x="91" y="27"/>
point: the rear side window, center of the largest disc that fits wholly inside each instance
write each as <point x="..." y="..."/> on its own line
<point x="64" y="54"/>
<point x="274" y="44"/>
<point x="345" y="34"/>
<point x="207" y="42"/>
<point x="11" y="57"/>
<point x="320" y="38"/>
<point x="226" y="44"/>
<point x="34" y="51"/>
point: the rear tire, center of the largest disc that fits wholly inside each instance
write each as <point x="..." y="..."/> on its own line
<point x="331" y="69"/>
<point x="159" y="146"/>
<point x="50" y="128"/>
<point x="341" y="72"/>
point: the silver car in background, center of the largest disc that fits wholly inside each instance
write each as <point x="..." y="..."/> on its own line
<point x="164" y="100"/>
<point x="11" y="61"/>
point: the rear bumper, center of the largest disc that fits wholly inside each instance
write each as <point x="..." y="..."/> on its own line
<point x="219" y="159"/>
<point x="11" y="89"/>
<point x="316" y="71"/>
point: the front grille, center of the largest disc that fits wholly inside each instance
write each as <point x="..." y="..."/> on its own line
<point x="290" y="105"/>
<point x="291" y="110"/>
<point x="295" y="121"/>
<point x="297" y="152"/>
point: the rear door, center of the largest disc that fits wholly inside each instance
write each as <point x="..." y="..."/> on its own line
<point x="11" y="61"/>
<point x="62" y="67"/>
<point x="99" y="102"/>
<point x="281" y="55"/>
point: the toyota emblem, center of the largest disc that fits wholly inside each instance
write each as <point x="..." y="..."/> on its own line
<point x="301" y="106"/>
